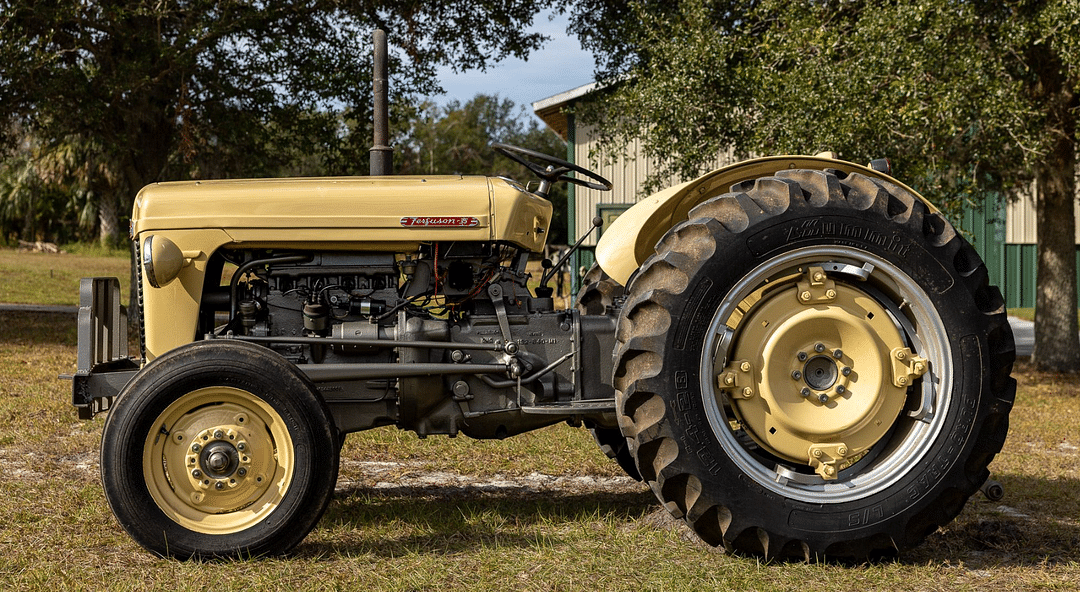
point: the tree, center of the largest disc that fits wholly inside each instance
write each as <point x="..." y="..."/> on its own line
<point x="969" y="98"/>
<point x="456" y="139"/>
<point x="204" y="88"/>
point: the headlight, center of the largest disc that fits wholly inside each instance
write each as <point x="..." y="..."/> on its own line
<point x="162" y="260"/>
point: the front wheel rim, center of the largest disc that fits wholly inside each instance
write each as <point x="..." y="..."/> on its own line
<point x="218" y="460"/>
<point x="736" y="372"/>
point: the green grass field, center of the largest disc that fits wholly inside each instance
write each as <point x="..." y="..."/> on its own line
<point x="542" y="511"/>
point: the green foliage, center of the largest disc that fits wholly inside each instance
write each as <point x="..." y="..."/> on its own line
<point x="205" y="89"/>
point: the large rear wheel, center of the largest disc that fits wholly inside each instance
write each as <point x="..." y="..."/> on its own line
<point x="219" y="449"/>
<point x="813" y="366"/>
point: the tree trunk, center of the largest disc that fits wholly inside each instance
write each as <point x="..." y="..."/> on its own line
<point x="108" y="219"/>
<point x="1057" y="344"/>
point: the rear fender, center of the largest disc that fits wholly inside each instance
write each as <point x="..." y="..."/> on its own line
<point x="632" y="237"/>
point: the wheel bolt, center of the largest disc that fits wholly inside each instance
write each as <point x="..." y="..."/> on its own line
<point x="838" y="354"/>
<point x="823" y="398"/>
<point x="218" y="434"/>
<point x="819" y="347"/>
<point x="802" y="356"/>
<point x="195" y="447"/>
<point x="840" y="389"/>
<point x="795" y="375"/>
<point x="241" y="471"/>
<point x="196" y="473"/>
<point x="845" y="371"/>
<point x="805" y="392"/>
<point x="241" y="446"/>
<point x="219" y="485"/>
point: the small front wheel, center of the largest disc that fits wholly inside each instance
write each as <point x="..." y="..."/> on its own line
<point x="219" y="449"/>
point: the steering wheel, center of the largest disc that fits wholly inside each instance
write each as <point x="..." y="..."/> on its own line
<point x="554" y="169"/>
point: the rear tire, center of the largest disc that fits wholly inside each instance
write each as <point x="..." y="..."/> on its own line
<point x="814" y="366"/>
<point x="219" y="449"/>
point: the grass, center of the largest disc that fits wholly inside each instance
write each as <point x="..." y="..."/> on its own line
<point x="390" y="531"/>
<point x="383" y="534"/>
<point x="53" y="278"/>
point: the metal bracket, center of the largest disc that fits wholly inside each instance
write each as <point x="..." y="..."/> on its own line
<point x="816" y="287"/>
<point x="827" y="458"/>
<point x="737" y="379"/>
<point x="906" y="366"/>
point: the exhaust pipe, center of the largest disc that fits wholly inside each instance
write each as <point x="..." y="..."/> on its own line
<point x="382" y="155"/>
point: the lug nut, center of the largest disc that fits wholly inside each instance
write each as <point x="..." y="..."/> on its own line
<point x="219" y="485"/>
<point x="241" y="471"/>
<point x="805" y="392"/>
<point x="840" y="389"/>
<point x="819" y="347"/>
<point x="804" y="296"/>
<point x="802" y="356"/>
<point x="796" y="375"/>
<point x="823" y="398"/>
<point x="196" y="473"/>
<point x="195" y="447"/>
<point x="745" y="366"/>
<point x="846" y="371"/>
<point x="218" y="434"/>
<point x="241" y="446"/>
<point x="838" y="354"/>
<point x="748" y="392"/>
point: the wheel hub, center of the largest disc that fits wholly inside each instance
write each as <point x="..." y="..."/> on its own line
<point x="225" y="462"/>
<point x="821" y="388"/>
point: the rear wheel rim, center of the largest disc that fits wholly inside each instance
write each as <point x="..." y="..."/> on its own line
<point x="885" y="454"/>
<point x="218" y="460"/>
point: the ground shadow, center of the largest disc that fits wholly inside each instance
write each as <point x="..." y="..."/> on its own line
<point x="447" y="519"/>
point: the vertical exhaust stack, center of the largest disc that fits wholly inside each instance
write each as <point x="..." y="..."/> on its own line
<point x="382" y="155"/>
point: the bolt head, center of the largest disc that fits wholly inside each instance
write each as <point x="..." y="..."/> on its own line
<point x="817" y="453"/>
<point x="846" y="371"/>
<point x="196" y="473"/>
<point x="902" y="380"/>
<point x="802" y="356"/>
<point x="241" y="471"/>
<point x="829" y="470"/>
<point x="749" y="392"/>
<point x="796" y="375"/>
<point x="842" y="451"/>
<point x="819" y="277"/>
<point x="840" y="389"/>
<point x="241" y="446"/>
<point x="901" y="355"/>
<point x="219" y="485"/>
<point x="838" y="354"/>
<point x="830" y="293"/>
<point x="745" y="366"/>
<point x="219" y="434"/>
<point x="823" y="398"/>
<point x="805" y="392"/>
<point x="804" y="296"/>
<point x="819" y="347"/>
<point x="195" y="447"/>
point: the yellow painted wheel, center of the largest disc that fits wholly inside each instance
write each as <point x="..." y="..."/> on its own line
<point x="813" y="366"/>
<point x="222" y="461"/>
<point x="219" y="449"/>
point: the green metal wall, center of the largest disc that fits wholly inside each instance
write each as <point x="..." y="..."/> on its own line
<point x="1011" y="266"/>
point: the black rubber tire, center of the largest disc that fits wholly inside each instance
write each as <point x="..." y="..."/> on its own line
<point x="664" y="402"/>
<point x="597" y="293"/>
<point x="259" y="383"/>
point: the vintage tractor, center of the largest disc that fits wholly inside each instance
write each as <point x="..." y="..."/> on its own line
<point x="799" y="355"/>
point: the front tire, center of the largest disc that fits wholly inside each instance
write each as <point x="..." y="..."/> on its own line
<point x="814" y="366"/>
<point x="219" y="449"/>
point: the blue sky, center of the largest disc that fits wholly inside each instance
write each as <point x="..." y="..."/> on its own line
<point x="559" y="66"/>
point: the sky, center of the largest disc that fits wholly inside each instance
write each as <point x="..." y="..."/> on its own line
<point x="560" y="65"/>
